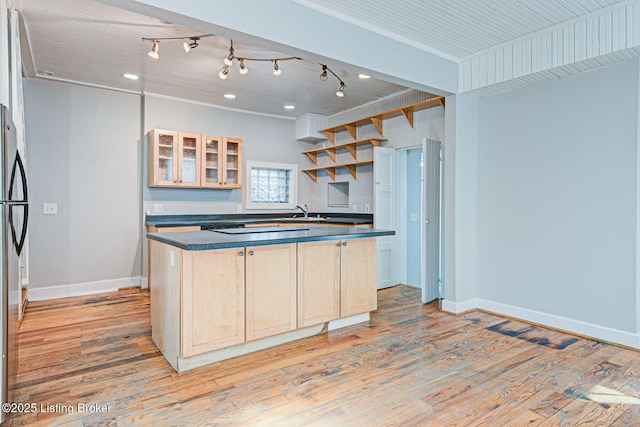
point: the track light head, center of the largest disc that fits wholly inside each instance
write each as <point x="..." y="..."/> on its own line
<point x="340" y="92"/>
<point x="324" y="76"/>
<point x="243" y="67"/>
<point x="192" y="45"/>
<point x="276" y="69"/>
<point x="153" y="53"/>
<point x="228" y="61"/>
<point x="224" y="72"/>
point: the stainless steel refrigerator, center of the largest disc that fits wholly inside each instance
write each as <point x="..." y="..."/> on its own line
<point x="15" y="213"/>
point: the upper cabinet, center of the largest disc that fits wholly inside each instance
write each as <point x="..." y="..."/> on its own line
<point x="190" y="160"/>
<point x="222" y="160"/>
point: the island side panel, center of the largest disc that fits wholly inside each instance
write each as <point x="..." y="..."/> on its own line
<point x="213" y="300"/>
<point x="271" y="290"/>
<point x="358" y="276"/>
<point x="318" y="282"/>
<point x="166" y="267"/>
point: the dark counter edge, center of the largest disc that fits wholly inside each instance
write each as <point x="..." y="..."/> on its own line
<point x="178" y="220"/>
<point x="178" y="239"/>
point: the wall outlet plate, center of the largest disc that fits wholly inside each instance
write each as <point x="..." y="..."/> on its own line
<point x="354" y="208"/>
<point x="49" y="208"/>
<point x="158" y="208"/>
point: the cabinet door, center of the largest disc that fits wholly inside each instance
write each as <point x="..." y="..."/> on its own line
<point x="190" y="158"/>
<point x="213" y="296"/>
<point x="232" y="163"/>
<point x="318" y="282"/>
<point x="358" y="276"/>
<point x="271" y="290"/>
<point x="163" y="158"/>
<point x="212" y="160"/>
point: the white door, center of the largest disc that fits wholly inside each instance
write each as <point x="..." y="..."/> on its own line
<point x="383" y="161"/>
<point x="431" y="221"/>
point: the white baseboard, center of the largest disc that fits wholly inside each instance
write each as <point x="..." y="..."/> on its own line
<point x="591" y="330"/>
<point x="144" y="282"/>
<point x="348" y="321"/>
<point x="459" y="307"/>
<point x="78" y="289"/>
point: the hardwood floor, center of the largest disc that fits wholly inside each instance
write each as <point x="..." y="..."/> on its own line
<point x="411" y="365"/>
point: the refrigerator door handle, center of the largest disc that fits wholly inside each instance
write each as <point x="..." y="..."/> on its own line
<point x="23" y="176"/>
<point x="23" y="233"/>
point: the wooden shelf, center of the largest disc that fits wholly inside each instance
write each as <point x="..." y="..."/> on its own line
<point x="376" y="119"/>
<point x="350" y="146"/>
<point x="331" y="169"/>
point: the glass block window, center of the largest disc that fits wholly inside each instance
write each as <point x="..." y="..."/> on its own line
<point x="271" y="185"/>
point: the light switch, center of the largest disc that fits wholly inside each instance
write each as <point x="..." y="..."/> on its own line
<point x="49" y="208"/>
<point x="413" y="217"/>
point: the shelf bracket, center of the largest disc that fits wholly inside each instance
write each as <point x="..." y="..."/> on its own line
<point x="408" y="114"/>
<point x="332" y="154"/>
<point x="352" y="128"/>
<point x="377" y="122"/>
<point x="441" y="100"/>
<point x="331" y="135"/>
<point x="332" y="172"/>
<point x="353" y="150"/>
<point x="313" y="173"/>
<point x="352" y="170"/>
<point x="313" y="156"/>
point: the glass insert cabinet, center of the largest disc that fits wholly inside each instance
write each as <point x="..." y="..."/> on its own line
<point x="190" y="160"/>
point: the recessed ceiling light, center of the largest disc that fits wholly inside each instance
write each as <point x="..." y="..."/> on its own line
<point x="46" y="73"/>
<point x="289" y="107"/>
<point x="229" y="96"/>
<point x="130" y="76"/>
<point x="364" y="76"/>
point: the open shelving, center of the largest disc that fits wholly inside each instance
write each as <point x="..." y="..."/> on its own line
<point x="376" y="119"/>
<point x="331" y="169"/>
<point x="349" y="146"/>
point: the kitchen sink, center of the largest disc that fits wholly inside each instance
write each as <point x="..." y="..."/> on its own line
<point x="303" y="219"/>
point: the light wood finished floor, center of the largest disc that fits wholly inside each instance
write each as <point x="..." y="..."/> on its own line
<point x="409" y="366"/>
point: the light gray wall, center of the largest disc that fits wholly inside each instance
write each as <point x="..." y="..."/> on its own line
<point x="82" y="146"/>
<point x="557" y="171"/>
<point x="264" y="138"/>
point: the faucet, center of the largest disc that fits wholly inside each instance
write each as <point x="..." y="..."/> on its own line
<point x="304" y="210"/>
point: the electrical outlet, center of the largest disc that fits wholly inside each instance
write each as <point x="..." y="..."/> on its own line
<point x="354" y="208"/>
<point x="366" y="207"/>
<point x="49" y="208"/>
<point x="239" y="208"/>
<point x="158" y="208"/>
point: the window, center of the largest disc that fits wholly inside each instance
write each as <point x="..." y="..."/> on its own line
<point x="271" y="185"/>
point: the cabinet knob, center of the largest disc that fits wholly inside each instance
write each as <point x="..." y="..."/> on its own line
<point x="338" y="244"/>
<point x="241" y="253"/>
<point x="250" y="252"/>
<point x="344" y="243"/>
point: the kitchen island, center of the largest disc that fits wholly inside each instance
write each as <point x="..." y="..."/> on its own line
<point x="221" y="293"/>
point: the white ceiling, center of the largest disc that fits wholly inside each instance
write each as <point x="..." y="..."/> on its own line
<point x="93" y="43"/>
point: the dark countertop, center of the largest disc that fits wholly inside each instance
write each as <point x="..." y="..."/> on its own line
<point x="238" y="220"/>
<point x="261" y="236"/>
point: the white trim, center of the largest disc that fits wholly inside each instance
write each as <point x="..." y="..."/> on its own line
<point x="219" y="107"/>
<point x="616" y="336"/>
<point x="293" y="188"/>
<point x="348" y="321"/>
<point x="144" y="283"/>
<point x="459" y="307"/>
<point x="79" y="289"/>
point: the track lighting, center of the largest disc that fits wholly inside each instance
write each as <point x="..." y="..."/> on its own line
<point x="228" y="61"/>
<point x="243" y="67"/>
<point x="223" y="74"/>
<point x="276" y="70"/>
<point x="153" y="53"/>
<point x="188" y="43"/>
<point x="324" y="77"/>
<point x="188" y="46"/>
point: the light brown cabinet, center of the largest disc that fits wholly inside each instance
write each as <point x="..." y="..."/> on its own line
<point x="190" y="160"/>
<point x="174" y="159"/>
<point x="336" y="278"/>
<point x="270" y="290"/>
<point x="358" y="293"/>
<point x="318" y="282"/>
<point x="213" y="305"/>
<point x="221" y="162"/>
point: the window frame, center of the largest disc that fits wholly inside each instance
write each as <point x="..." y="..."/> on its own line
<point x="293" y="187"/>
